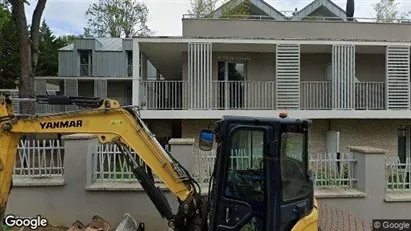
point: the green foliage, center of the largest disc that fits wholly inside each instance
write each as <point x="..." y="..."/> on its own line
<point x="397" y="181"/>
<point x="230" y="10"/>
<point x="115" y="18"/>
<point x="48" y="46"/>
<point x="329" y="176"/>
<point x="68" y="39"/>
<point x="387" y="11"/>
<point x="9" y="49"/>
<point x="202" y="8"/>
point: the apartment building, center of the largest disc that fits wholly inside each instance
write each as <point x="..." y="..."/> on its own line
<point x="352" y="78"/>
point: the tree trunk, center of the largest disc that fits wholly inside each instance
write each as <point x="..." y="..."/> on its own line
<point x="35" y="27"/>
<point x="26" y="80"/>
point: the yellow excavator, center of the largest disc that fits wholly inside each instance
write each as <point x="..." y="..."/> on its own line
<point x="272" y="191"/>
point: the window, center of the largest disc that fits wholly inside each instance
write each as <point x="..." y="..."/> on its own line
<point x="245" y="170"/>
<point x="255" y="224"/>
<point x="404" y="143"/>
<point x="293" y="166"/>
<point x="140" y="64"/>
<point x="86" y="58"/>
<point x="231" y="77"/>
<point x="329" y="72"/>
<point x="129" y="63"/>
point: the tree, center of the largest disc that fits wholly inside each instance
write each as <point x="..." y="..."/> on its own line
<point x="118" y="18"/>
<point x="49" y="45"/>
<point x="387" y="11"/>
<point x="202" y="8"/>
<point x="9" y="50"/>
<point x="231" y="9"/>
<point x="28" y="48"/>
<point x="68" y="39"/>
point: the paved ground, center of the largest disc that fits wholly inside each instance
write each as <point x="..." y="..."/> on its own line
<point x="51" y="228"/>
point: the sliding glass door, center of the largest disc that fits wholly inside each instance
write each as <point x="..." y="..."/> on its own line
<point x="231" y="77"/>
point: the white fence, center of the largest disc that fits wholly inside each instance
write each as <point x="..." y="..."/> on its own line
<point x="398" y="174"/>
<point x="108" y="165"/>
<point x="39" y="158"/>
<point x="333" y="170"/>
<point x="45" y="158"/>
<point x="328" y="170"/>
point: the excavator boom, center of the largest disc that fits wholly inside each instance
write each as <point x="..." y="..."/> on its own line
<point x="111" y="123"/>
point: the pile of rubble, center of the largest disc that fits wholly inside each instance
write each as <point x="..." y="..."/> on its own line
<point x="99" y="224"/>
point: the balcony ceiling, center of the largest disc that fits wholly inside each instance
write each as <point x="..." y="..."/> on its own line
<point x="168" y="57"/>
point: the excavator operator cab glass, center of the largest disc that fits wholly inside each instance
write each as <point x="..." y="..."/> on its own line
<point x="262" y="182"/>
<point x="206" y="140"/>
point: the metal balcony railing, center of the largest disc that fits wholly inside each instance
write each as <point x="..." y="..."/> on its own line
<point x="305" y="18"/>
<point x="251" y="95"/>
<point x="86" y="70"/>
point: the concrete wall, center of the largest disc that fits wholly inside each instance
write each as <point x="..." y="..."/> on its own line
<point x="296" y="29"/>
<point x="262" y="66"/>
<point x="77" y="197"/>
<point x="65" y="200"/>
<point x="377" y="133"/>
<point x="192" y="128"/>
<point x="368" y="199"/>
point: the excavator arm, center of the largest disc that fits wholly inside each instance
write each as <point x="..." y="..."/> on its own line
<point x="111" y="123"/>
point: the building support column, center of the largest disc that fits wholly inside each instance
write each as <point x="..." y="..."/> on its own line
<point x="100" y="88"/>
<point x="71" y="89"/>
<point x="287" y="76"/>
<point x="136" y="73"/>
<point x="397" y="77"/>
<point x="41" y="89"/>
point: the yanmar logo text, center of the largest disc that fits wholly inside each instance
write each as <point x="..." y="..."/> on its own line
<point x="62" y="124"/>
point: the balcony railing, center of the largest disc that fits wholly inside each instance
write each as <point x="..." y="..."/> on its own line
<point x="305" y="18"/>
<point x="317" y="95"/>
<point x="85" y="70"/>
<point x="163" y="94"/>
<point x="370" y="96"/>
<point x="252" y="95"/>
<point x="129" y="70"/>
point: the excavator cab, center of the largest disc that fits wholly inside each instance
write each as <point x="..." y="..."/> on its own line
<point x="261" y="179"/>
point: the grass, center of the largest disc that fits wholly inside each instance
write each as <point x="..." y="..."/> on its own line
<point x="397" y="181"/>
<point x="332" y="177"/>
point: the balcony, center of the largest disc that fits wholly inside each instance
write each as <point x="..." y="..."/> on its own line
<point x="253" y="95"/>
<point x="317" y="95"/>
<point x="86" y="70"/>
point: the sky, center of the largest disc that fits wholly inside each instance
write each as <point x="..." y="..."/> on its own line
<point x="68" y="16"/>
